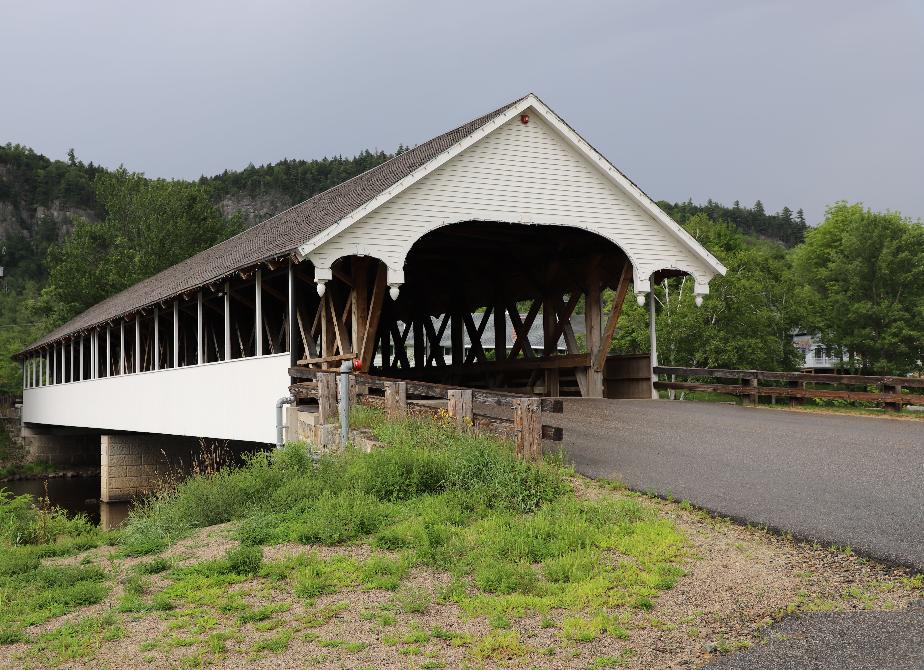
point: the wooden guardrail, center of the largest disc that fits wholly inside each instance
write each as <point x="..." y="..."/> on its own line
<point x="462" y="404"/>
<point x="796" y="385"/>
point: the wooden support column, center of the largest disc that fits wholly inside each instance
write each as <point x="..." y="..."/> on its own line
<point x="460" y="408"/>
<point x="328" y="341"/>
<point x="138" y="342"/>
<point x="527" y="426"/>
<point x="258" y="312"/>
<point x="327" y="396"/>
<point x="395" y="400"/>
<point x="121" y="346"/>
<point x="109" y="365"/>
<point x="200" y="340"/>
<point x="71" y="376"/>
<point x="290" y="331"/>
<point x="593" y="324"/>
<point x="227" y="355"/>
<point x="367" y="350"/>
<point x="82" y="360"/>
<point x="156" y="359"/>
<point x="176" y="334"/>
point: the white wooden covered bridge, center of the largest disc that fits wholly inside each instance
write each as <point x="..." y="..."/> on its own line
<point x="509" y="219"/>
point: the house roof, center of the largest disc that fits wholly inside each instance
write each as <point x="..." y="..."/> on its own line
<point x="276" y="237"/>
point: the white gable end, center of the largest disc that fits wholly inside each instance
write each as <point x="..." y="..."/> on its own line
<point x="518" y="173"/>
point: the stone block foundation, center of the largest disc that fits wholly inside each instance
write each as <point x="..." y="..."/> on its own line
<point x="59" y="448"/>
<point x="132" y="465"/>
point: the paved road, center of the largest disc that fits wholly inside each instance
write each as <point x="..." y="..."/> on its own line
<point x="846" y="480"/>
<point x="859" y="641"/>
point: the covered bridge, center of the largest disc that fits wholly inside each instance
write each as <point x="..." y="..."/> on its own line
<point x="507" y="221"/>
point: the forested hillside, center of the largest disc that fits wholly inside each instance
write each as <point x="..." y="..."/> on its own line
<point x="72" y="233"/>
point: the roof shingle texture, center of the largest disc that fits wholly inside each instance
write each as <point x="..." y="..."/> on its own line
<point x="276" y="237"/>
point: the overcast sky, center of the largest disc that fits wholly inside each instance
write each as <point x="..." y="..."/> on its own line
<point x="797" y="103"/>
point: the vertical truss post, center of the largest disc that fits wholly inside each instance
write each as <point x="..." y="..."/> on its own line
<point x="227" y="355"/>
<point x="138" y="342"/>
<point x="155" y="363"/>
<point x="593" y="325"/>
<point x="176" y="333"/>
<point x="200" y="341"/>
<point x="258" y="312"/>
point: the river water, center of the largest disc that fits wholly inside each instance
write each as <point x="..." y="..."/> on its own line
<point x="75" y="495"/>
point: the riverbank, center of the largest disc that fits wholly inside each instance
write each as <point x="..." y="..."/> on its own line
<point x="440" y="550"/>
<point x="45" y="471"/>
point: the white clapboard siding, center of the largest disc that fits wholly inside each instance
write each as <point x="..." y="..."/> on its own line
<point x="517" y="174"/>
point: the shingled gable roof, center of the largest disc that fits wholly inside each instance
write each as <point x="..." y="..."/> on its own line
<point x="277" y="237"/>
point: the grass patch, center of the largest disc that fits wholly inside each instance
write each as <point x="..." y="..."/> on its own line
<point x="77" y="640"/>
<point x="512" y="534"/>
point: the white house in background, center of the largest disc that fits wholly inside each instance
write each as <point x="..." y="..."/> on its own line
<point x="818" y="357"/>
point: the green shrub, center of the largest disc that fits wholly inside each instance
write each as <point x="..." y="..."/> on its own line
<point x="245" y="559"/>
<point x="22" y="523"/>
<point x="502" y="577"/>
<point x="335" y="518"/>
<point x="381" y="572"/>
<point x="413" y="600"/>
<point x="153" y="567"/>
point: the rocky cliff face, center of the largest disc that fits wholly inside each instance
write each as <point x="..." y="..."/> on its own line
<point x="16" y="218"/>
<point x="254" y="208"/>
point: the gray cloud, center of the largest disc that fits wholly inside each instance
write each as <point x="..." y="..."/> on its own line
<point x="796" y="103"/>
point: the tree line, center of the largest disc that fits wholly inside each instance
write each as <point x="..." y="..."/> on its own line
<point x="857" y="279"/>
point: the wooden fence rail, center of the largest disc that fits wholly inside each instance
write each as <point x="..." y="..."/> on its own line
<point x="462" y="404"/>
<point x="798" y="385"/>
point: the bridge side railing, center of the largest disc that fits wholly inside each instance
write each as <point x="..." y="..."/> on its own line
<point x="466" y="406"/>
<point x="891" y="391"/>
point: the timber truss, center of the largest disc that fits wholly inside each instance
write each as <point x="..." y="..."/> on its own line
<point x="484" y="305"/>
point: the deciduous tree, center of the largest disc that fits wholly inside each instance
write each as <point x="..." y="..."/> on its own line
<point x="867" y="271"/>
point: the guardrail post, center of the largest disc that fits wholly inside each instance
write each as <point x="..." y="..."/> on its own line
<point x="892" y="388"/>
<point x="396" y="400"/>
<point x="460" y="407"/>
<point x="527" y="426"/>
<point x="753" y="395"/>
<point x="793" y="400"/>
<point x="327" y="397"/>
